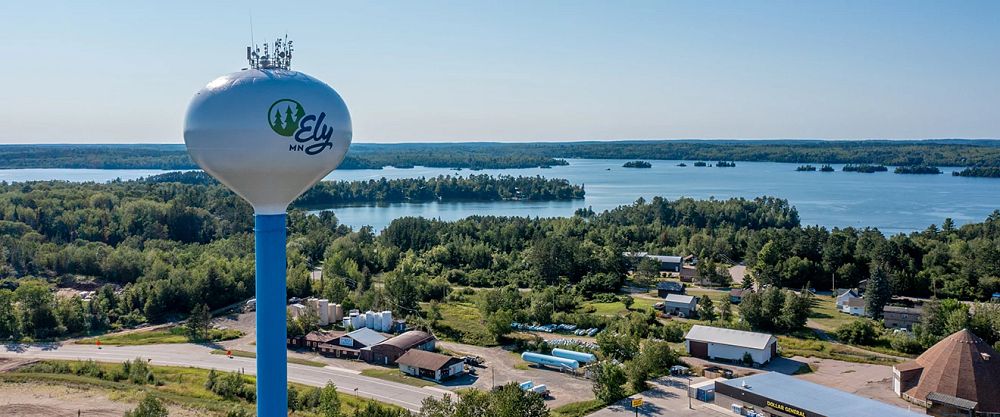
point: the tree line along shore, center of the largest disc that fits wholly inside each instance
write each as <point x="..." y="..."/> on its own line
<point x="980" y="157"/>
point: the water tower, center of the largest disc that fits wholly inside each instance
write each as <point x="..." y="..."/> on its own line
<point x="268" y="133"/>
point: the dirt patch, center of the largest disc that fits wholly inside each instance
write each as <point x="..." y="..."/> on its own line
<point x="866" y="380"/>
<point x="48" y="400"/>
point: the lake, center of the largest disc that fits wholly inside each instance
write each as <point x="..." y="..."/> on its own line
<point x="894" y="203"/>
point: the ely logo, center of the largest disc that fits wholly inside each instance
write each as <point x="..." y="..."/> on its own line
<point x="289" y="119"/>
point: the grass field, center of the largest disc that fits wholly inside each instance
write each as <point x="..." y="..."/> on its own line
<point x="158" y="336"/>
<point x="177" y="385"/>
<point x="245" y="354"/>
<point x="395" y="375"/>
<point x="462" y="322"/>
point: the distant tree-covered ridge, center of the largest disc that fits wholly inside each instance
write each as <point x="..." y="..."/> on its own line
<point x="416" y="190"/>
<point x="495" y="155"/>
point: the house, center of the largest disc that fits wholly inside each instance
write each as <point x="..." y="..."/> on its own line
<point x="958" y="376"/>
<point x="843" y="296"/>
<point x="353" y="345"/>
<point x="314" y="339"/>
<point x="389" y="351"/>
<point x="669" y="287"/>
<point x="896" y="317"/>
<point x="718" y="343"/>
<point x="736" y="295"/>
<point x="667" y="262"/>
<point x="681" y="305"/>
<point x="854" y="307"/>
<point x="690" y="274"/>
<point x="430" y="365"/>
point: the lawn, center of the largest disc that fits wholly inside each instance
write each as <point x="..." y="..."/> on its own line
<point x="825" y="314"/>
<point x="246" y="354"/>
<point x="577" y="409"/>
<point x="395" y="375"/>
<point x="178" y="385"/>
<point x="158" y="336"/>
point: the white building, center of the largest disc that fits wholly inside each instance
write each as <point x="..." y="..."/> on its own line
<point x="717" y="343"/>
<point x="854" y="307"/>
<point x="844" y="297"/>
<point x="681" y="305"/>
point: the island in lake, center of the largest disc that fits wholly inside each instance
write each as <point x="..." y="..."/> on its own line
<point x="637" y="164"/>
<point x="986" y="172"/>
<point x="700" y="164"/>
<point x="806" y="168"/>
<point x="865" y="168"/>
<point x="724" y="164"/>
<point x="826" y="168"/>
<point x="682" y="164"/>
<point x="917" y="169"/>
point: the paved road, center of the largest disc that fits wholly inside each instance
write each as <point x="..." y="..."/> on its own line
<point x="199" y="356"/>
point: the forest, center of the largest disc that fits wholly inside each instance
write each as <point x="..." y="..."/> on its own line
<point x="491" y="155"/>
<point x="473" y="187"/>
<point x="156" y="250"/>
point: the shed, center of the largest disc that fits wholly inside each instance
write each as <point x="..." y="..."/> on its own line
<point x="430" y="365"/>
<point x="681" y="305"/>
<point x="390" y="350"/>
<point x="854" y="307"/>
<point x="665" y="288"/>
<point x="729" y="344"/>
<point x="736" y="295"/>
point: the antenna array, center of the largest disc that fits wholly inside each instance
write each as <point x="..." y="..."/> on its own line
<point x="274" y="56"/>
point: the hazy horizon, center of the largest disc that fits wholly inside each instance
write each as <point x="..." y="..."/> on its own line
<point x="124" y="72"/>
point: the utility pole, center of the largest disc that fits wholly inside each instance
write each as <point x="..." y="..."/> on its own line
<point x="689" y="392"/>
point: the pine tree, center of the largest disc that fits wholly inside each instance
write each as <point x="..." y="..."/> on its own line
<point x="878" y="291"/>
<point x="276" y="124"/>
<point x="290" y="125"/>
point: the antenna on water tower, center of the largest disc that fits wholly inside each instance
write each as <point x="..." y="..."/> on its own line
<point x="268" y="133"/>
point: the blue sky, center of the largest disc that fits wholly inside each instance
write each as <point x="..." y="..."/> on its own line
<point x="124" y="71"/>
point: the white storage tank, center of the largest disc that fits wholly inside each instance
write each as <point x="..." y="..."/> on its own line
<point x="338" y="311"/>
<point x="386" y="321"/>
<point x="323" y="308"/>
<point x="370" y="319"/>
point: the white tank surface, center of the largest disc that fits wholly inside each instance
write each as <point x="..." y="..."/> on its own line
<point x="386" y="321"/>
<point x="323" y="306"/>
<point x="370" y="319"/>
<point x="357" y="321"/>
<point x="268" y="134"/>
<point x="339" y="311"/>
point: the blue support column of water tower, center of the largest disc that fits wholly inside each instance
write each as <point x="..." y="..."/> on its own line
<point x="268" y="133"/>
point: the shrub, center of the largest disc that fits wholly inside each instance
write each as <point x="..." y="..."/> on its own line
<point x="858" y="332"/>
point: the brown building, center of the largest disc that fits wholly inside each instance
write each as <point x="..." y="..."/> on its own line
<point x="958" y="376"/>
<point x="430" y="365"/>
<point x="901" y="317"/>
<point x="387" y="352"/>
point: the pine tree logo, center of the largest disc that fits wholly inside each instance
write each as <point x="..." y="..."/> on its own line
<point x="284" y="116"/>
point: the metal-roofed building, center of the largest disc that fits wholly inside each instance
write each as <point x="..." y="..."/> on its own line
<point x="718" y="343"/>
<point x="774" y="394"/>
<point x="681" y="305"/>
<point x="665" y="288"/>
<point x="389" y="351"/>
